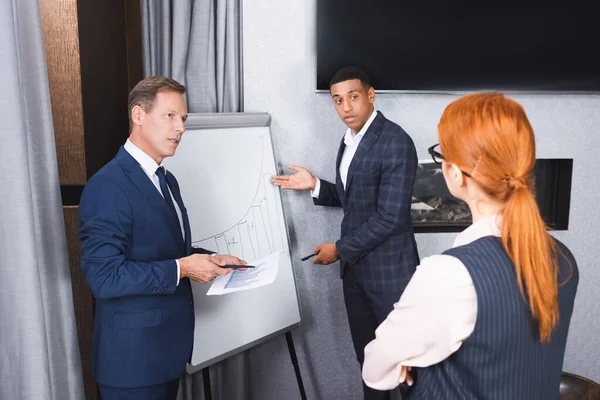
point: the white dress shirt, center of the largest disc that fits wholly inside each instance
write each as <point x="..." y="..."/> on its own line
<point x="351" y="140"/>
<point x="434" y="315"/>
<point x="150" y="166"/>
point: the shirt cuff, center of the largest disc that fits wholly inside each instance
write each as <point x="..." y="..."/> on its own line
<point x="177" y="261"/>
<point x="315" y="193"/>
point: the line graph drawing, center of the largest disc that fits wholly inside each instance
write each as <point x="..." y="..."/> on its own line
<point x="258" y="233"/>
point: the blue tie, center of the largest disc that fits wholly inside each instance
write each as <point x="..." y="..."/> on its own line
<point x="162" y="179"/>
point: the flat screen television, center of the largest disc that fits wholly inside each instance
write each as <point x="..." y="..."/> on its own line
<point x="462" y="45"/>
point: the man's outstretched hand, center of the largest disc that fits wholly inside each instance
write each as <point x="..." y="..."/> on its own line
<point x="302" y="179"/>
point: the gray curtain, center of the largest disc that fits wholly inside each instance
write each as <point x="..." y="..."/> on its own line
<point x="39" y="355"/>
<point x="197" y="43"/>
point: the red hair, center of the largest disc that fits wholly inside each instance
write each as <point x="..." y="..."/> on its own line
<point x="489" y="136"/>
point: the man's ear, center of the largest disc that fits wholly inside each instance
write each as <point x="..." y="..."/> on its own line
<point x="137" y="115"/>
<point x="371" y="95"/>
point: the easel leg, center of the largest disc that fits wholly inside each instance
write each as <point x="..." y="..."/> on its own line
<point x="292" y="350"/>
<point x="206" y="383"/>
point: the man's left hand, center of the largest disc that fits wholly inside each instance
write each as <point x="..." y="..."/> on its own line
<point x="326" y="254"/>
<point x="232" y="260"/>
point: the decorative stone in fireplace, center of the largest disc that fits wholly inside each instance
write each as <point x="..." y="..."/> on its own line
<point x="434" y="209"/>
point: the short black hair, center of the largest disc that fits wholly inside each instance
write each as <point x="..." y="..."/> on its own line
<point x="349" y="73"/>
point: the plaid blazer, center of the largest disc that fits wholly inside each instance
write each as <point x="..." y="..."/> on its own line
<point x="377" y="235"/>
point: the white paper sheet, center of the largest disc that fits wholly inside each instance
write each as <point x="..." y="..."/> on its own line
<point x="264" y="274"/>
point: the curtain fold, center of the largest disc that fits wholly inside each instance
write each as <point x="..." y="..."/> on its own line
<point x="39" y="354"/>
<point x="196" y="43"/>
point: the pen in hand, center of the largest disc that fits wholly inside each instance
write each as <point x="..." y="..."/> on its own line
<point x="307" y="257"/>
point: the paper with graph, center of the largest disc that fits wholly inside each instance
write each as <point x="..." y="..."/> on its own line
<point x="263" y="274"/>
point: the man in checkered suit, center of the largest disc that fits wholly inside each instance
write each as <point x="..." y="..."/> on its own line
<point x="375" y="171"/>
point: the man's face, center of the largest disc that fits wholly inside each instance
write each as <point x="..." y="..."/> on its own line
<point x="353" y="103"/>
<point x="162" y="127"/>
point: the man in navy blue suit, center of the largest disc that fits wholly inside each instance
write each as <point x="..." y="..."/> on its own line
<point x="375" y="171"/>
<point x="137" y="256"/>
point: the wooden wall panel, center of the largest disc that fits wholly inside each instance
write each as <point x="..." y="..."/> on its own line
<point x="59" y="23"/>
<point x="104" y="79"/>
<point x="133" y="27"/>
<point x="83" y="302"/>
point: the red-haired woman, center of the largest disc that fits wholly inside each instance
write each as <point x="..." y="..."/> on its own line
<point x="487" y="319"/>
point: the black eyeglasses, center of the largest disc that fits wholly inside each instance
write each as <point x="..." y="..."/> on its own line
<point x="438" y="158"/>
<point x="436" y="155"/>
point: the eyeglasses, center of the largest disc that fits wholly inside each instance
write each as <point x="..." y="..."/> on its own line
<point x="438" y="158"/>
<point x="436" y="155"/>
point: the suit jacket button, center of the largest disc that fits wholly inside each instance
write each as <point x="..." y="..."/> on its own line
<point x="346" y="212"/>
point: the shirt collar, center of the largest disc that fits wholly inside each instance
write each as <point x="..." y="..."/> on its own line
<point x="146" y="162"/>
<point x="484" y="227"/>
<point x="350" y="139"/>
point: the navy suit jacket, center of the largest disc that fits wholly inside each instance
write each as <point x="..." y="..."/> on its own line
<point x="377" y="234"/>
<point x="144" y="321"/>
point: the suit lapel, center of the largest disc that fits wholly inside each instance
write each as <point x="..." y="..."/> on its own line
<point x="365" y="144"/>
<point x="138" y="177"/>
<point x="338" y="180"/>
<point x="340" y="154"/>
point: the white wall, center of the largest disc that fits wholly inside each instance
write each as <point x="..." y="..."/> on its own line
<point x="279" y="78"/>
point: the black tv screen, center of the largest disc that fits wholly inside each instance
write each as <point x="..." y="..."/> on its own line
<point x="454" y="45"/>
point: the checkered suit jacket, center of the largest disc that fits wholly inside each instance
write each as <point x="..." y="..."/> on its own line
<point x="377" y="234"/>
